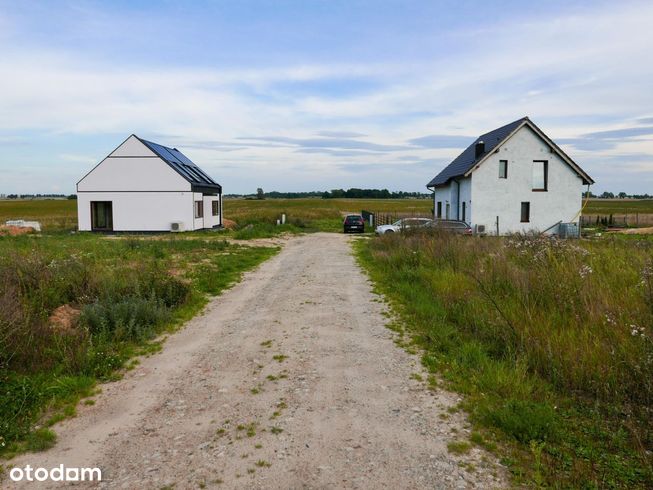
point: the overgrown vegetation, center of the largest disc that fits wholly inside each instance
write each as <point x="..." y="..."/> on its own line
<point x="74" y="308"/>
<point x="549" y="340"/>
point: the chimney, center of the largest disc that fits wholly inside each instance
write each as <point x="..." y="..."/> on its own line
<point x="480" y="148"/>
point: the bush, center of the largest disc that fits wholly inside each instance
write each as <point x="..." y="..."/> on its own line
<point x="130" y="319"/>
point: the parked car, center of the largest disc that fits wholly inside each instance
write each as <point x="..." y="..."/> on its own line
<point x="354" y="223"/>
<point x="402" y="224"/>
<point x="450" y="226"/>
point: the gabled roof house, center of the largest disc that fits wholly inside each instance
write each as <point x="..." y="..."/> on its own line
<point x="145" y="186"/>
<point x="509" y="180"/>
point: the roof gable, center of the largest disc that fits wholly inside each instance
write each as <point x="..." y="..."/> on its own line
<point x="465" y="163"/>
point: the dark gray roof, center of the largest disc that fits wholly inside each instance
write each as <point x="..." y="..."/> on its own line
<point x="467" y="159"/>
<point x="183" y="165"/>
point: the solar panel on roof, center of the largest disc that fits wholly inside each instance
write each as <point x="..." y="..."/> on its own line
<point x="181" y="163"/>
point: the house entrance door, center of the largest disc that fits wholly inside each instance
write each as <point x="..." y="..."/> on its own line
<point x="101" y="216"/>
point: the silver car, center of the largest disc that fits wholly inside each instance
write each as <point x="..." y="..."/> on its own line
<point x="402" y="224"/>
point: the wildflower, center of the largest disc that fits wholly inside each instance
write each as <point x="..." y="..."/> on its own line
<point x="585" y="271"/>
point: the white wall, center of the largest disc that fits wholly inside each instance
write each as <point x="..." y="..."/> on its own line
<point x="492" y="197"/>
<point x="140" y="211"/>
<point x="133" y="174"/>
<point x="209" y="220"/>
<point x="454" y="194"/>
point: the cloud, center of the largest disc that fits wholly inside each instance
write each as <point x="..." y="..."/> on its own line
<point x="327" y="143"/>
<point x="442" y="141"/>
<point x="319" y="108"/>
<point x="341" y="134"/>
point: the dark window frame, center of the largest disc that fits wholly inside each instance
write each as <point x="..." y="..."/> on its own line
<point x="439" y="209"/>
<point x="546" y="176"/>
<point x="464" y="210"/>
<point x="525" y="212"/>
<point x="215" y="208"/>
<point x="107" y="209"/>
<point x="199" y="209"/>
<point x="504" y="168"/>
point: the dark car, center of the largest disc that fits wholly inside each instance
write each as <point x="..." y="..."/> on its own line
<point x="354" y="223"/>
<point x="450" y="226"/>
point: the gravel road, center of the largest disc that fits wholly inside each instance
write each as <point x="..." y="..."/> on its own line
<point x="288" y="380"/>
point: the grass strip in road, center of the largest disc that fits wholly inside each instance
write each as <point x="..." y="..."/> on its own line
<point x="548" y="340"/>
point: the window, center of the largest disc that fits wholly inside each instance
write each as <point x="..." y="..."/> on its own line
<point x="503" y="169"/>
<point x="540" y="175"/>
<point x="464" y="209"/>
<point x="439" y="214"/>
<point x="102" y="215"/>
<point x="199" y="209"/>
<point x="447" y="210"/>
<point x="215" y="208"/>
<point x="525" y="212"/>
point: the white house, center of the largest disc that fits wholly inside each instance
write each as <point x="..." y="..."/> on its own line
<point x="143" y="186"/>
<point x="513" y="179"/>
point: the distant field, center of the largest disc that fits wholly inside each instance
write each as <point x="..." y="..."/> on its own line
<point x="325" y="214"/>
<point x="53" y="214"/>
<point x="618" y="206"/>
<point x="321" y="213"/>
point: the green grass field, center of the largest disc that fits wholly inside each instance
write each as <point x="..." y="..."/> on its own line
<point x="549" y="341"/>
<point x="120" y="294"/>
<point x="323" y="214"/>
<point x="619" y="206"/>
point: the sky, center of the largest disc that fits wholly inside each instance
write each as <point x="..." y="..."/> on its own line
<point x="315" y="95"/>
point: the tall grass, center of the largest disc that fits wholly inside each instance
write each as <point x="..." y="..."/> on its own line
<point x="549" y="339"/>
<point x="125" y="292"/>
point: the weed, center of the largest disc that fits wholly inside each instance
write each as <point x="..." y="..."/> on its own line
<point x="545" y="339"/>
<point x="276" y="430"/>
<point x="459" y="447"/>
<point x="40" y="440"/>
<point x="263" y="464"/>
<point x="279" y="357"/>
<point x="266" y="343"/>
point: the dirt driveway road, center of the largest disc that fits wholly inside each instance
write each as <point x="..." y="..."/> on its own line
<point x="288" y="380"/>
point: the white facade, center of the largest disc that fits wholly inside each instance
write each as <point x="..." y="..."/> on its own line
<point x="145" y="194"/>
<point x="496" y="202"/>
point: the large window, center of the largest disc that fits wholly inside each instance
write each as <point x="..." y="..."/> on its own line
<point x="102" y="215"/>
<point x="199" y="209"/>
<point x="447" y="210"/>
<point x="503" y="169"/>
<point x="439" y="214"/>
<point x="215" y="208"/>
<point x="525" y="212"/>
<point x="540" y="175"/>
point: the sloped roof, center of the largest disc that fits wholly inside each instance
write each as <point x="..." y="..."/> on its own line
<point x="464" y="163"/>
<point x="182" y="165"/>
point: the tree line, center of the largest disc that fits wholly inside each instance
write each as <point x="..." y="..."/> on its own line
<point x="352" y="193"/>
<point x="620" y="195"/>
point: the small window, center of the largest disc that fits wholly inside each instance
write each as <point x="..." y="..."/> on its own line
<point x="540" y="175"/>
<point x="215" y="208"/>
<point x="503" y="169"/>
<point x="525" y="212"/>
<point x="439" y="215"/>
<point x="199" y="209"/>
<point x="464" y="209"/>
<point x="447" y="210"/>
